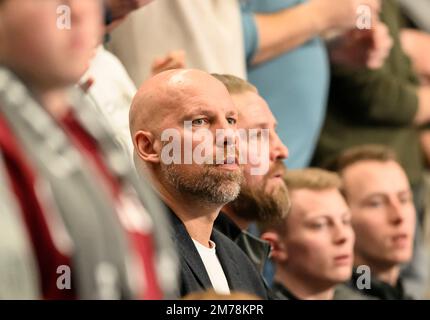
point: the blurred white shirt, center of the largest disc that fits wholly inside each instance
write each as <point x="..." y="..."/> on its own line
<point x="210" y="32"/>
<point x="111" y="92"/>
<point x="418" y="11"/>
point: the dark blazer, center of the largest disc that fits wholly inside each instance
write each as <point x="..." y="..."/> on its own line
<point x="239" y="270"/>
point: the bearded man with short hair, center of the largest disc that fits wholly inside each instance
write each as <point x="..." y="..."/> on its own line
<point x="194" y="191"/>
<point x="263" y="196"/>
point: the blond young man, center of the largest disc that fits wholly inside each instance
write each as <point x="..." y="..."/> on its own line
<point x="313" y="246"/>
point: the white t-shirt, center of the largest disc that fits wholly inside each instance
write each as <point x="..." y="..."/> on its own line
<point x="213" y="267"/>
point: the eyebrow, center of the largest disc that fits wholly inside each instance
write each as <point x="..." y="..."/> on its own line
<point x="326" y="215"/>
<point x="201" y="110"/>
<point x="381" y="194"/>
<point x="232" y="113"/>
<point x="196" y="111"/>
<point x="264" y="125"/>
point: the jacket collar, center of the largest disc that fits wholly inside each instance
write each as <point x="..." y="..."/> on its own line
<point x="256" y="249"/>
<point x="282" y="292"/>
<point x="188" y="251"/>
<point x="190" y="255"/>
<point x="381" y="289"/>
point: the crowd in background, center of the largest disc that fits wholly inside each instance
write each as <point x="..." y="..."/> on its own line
<point x="90" y="209"/>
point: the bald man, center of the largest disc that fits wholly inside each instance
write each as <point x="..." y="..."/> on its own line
<point x="179" y="104"/>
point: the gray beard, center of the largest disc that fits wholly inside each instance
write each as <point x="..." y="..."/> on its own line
<point x="212" y="186"/>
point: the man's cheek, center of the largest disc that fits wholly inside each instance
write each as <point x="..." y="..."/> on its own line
<point x="260" y="163"/>
<point x="253" y="181"/>
<point x="272" y="185"/>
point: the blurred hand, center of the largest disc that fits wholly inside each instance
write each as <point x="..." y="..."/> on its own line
<point x="416" y="44"/>
<point x="341" y="14"/>
<point x="425" y="145"/>
<point x="362" y="48"/>
<point x="121" y="8"/>
<point x="425" y="81"/>
<point x="173" y="60"/>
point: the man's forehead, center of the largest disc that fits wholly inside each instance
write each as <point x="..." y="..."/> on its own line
<point x="366" y="169"/>
<point x="255" y="111"/>
<point x="373" y="177"/>
<point x="200" y="103"/>
<point x="310" y="200"/>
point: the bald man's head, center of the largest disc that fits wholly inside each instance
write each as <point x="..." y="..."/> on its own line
<point x="168" y="101"/>
<point x="171" y="91"/>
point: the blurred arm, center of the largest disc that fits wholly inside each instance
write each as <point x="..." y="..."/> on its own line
<point x="287" y="29"/>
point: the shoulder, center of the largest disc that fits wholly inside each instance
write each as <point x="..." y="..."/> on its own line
<point x="344" y="292"/>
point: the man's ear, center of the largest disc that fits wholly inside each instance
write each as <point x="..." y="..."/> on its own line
<point x="278" y="250"/>
<point x="144" y="144"/>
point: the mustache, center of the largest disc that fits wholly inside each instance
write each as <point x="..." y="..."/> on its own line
<point x="278" y="166"/>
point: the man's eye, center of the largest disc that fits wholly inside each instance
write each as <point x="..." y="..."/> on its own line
<point x="375" y="204"/>
<point x="347" y="221"/>
<point x="405" y="199"/>
<point x="318" y="225"/>
<point x="255" y="134"/>
<point x="231" y="120"/>
<point x="199" y="122"/>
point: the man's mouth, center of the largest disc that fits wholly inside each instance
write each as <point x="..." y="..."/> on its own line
<point x="231" y="160"/>
<point x="343" y="259"/>
<point x="400" y="240"/>
<point x="229" y="163"/>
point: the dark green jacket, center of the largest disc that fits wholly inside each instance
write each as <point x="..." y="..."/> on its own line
<point x="375" y="106"/>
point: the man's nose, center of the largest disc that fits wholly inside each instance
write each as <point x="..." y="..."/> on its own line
<point x="226" y="137"/>
<point x="395" y="211"/>
<point x="340" y="234"/>
<point x="279" y="151"/>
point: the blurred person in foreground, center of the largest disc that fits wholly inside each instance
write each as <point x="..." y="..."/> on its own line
<point x="313" y="246"/>
<point x="76" y="220"/>
<point x="380" y="198"/>
<point x="110" y="92"/>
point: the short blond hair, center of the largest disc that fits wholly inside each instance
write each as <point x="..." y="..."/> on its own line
<point x="312" y="178"/>
<point x="235" y="84"/>
<point x="367" y="152"/>
<point x="315" y="179"/>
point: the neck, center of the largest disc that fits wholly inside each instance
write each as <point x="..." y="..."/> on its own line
<point x="53" y="100"/>
<point x="198" y="216"/>
<point x="386" y="273"/>
<point x="302" y="287"/>
<point x="242" y="223"/>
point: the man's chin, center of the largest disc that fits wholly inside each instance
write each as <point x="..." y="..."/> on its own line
<point x="274" y="186"/>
